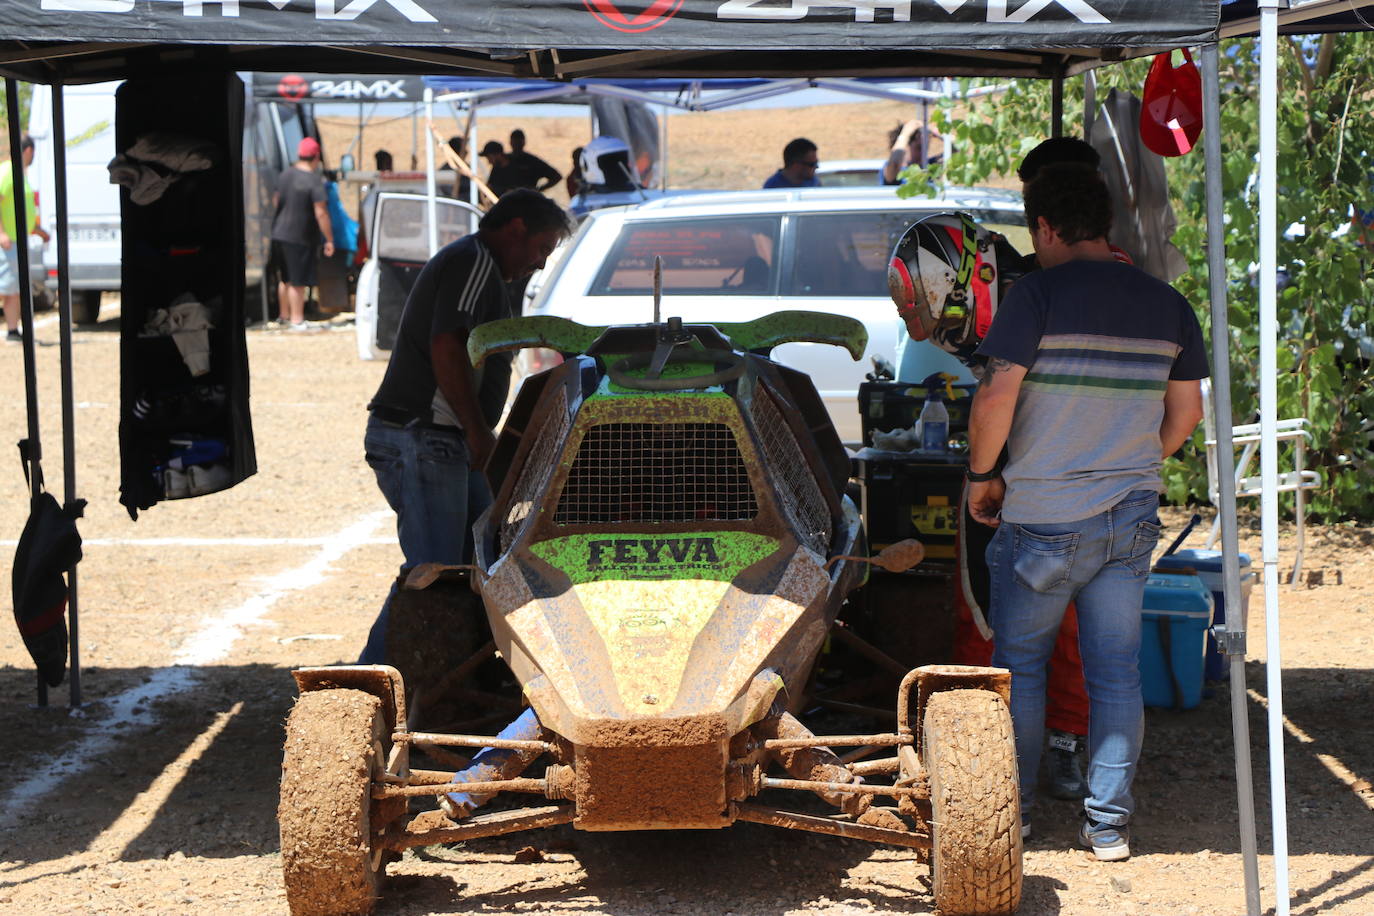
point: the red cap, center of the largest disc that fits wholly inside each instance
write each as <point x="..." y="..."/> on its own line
<point x="1171" y="112"/>
<point x="309" y="148"/>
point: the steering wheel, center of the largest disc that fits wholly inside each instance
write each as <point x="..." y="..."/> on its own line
<point x="733" y="369"/>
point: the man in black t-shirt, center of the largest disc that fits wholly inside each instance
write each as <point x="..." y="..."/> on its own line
<point x="430" y="430"/>
<point x="302" y="208"/>
<point x="517" y="170"/>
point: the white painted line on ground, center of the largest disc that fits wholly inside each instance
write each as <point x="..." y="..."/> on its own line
<point x="130" y="712"/>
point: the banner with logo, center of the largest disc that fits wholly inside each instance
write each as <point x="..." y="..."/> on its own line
<point x="507" y="29"/>
<point x="348" y="87"/>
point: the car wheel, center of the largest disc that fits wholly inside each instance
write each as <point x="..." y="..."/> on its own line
<point x="86" y="306"/>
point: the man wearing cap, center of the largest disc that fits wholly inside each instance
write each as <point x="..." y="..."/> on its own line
<point x="301" y="219"/>
<point x="507" y="173"/>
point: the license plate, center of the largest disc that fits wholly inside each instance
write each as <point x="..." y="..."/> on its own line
<point x="94" y="234"/>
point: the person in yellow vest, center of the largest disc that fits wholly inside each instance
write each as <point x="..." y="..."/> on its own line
<point x="10" y="239"/>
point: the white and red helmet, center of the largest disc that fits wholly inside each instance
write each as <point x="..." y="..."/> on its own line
<point x="945" y="272"/>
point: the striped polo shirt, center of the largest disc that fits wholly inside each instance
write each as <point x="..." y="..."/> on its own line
<point x="1100" y="341"/>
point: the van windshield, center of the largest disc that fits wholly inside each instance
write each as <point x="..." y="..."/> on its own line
<point x="720" y="255"/>
<point x="846" y="254"/>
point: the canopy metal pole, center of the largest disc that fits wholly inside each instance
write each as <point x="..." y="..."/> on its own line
<point x="34" y="455"/>
<point x="64" y="316"/>
<point x="1089" y="102"/>
<point x="1057" y="104"/>
<point x="432" y="205"/>
<point x="1231" y="634"/>
<point x="1269" y="475"/>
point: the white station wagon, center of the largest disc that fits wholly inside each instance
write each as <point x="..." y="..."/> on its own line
<point x="733" y="256"/>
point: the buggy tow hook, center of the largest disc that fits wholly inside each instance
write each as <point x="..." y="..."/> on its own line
<point x="814" y="764"/>
<point x="492" y="764"/>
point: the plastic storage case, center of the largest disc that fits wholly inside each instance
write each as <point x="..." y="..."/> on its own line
<point x="1175" y="615"/>
<point x="896" y="405"/>
<point x="911" y="495"/>
<point x="1208" y="565"/>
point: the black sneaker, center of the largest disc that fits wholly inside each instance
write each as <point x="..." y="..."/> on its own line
<point x="1066" y="772"/>
<point x="1107" y="841"/>
<point x="15" y="337"/>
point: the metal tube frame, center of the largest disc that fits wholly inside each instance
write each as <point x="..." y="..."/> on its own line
<point x="34" y="456"/>
<point x="1269" y="469"/>
<point x="1231" y="635"/>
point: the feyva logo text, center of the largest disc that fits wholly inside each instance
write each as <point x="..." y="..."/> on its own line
<point x="651" y="551"/>
<point x="326" y="10"/>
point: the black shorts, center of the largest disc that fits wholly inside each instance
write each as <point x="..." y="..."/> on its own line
<point x="295" y="262"/>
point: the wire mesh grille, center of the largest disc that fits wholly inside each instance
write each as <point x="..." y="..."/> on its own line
<point x="538" y="466"/>
<point x="657" y="472"/>
<point x="801" y="496"/>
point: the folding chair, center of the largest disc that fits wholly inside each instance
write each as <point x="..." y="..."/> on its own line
<point x="1247" y="437"/>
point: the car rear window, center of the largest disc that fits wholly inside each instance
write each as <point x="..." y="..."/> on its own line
<point x="721" y="255"/>
<point x="403" y="231"/>
<point x="846" y="254"/>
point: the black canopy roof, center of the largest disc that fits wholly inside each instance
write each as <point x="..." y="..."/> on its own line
<point x="88" y="40"/>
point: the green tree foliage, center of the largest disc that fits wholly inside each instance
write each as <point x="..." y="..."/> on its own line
<point x="1325" y="168"/>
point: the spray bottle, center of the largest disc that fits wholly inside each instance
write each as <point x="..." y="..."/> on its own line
<point x="934" y="415"/>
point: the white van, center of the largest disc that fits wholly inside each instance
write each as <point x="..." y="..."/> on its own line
<point x="271" y="132"/>
<point x="92" y="202"/>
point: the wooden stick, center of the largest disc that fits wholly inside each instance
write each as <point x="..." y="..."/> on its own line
<point x="459" y="165"/>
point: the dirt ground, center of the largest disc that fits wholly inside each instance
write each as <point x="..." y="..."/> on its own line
<point x="159" y="794"/>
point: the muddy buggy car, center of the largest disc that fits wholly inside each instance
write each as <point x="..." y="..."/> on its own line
<point x="669" y="546"/>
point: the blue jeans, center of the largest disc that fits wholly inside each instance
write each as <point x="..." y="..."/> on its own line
<point x="424" y="474"/>
<point x="1101" y="563"/>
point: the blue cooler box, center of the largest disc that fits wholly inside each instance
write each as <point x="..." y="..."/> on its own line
<point x="1209" y="568"/>
<point x="1174" y="619"/>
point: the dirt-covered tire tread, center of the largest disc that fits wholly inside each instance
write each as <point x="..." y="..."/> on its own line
<point x="970" y="754"/>
<point x="325" y="812"/>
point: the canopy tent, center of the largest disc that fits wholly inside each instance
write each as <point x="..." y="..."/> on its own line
<point x="74" y="41"/>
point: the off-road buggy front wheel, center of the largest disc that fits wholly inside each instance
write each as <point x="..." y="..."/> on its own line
<point x="970" y="754"/>
<point x="326" y="814"/>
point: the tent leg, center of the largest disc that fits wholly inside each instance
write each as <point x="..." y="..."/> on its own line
<point x="32" y="448"/>
<point x="1232" y="637"/>
<point x="1057" y="105"/>
<point x="1269" y="471"/>
<point x="64" y="317"/>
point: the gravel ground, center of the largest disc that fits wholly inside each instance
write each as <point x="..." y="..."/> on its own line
<point x="159" y="795"/>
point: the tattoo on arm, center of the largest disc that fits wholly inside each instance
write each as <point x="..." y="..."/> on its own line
<point x="994" y="365"/>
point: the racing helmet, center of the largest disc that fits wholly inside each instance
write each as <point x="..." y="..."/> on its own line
<point x="605" y="162"/>
<point x="945" y="272"/>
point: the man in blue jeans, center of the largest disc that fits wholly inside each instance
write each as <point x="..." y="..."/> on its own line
<point x="430" y="430"/>
<point x="1092" y="377"/>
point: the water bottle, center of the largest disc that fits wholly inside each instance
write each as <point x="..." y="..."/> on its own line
<point x="934" y="422"/>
